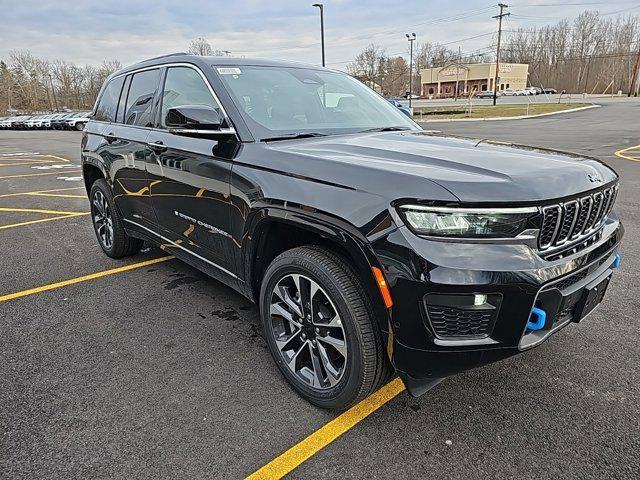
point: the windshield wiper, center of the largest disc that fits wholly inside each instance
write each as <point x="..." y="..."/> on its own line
<point x="290" y="136"/>
<point x="384" y="129"/>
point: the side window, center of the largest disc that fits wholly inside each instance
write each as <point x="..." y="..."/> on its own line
<point x="184" y="86"/>
<point x="108" y="104"/>
<point x="140" y="99"/>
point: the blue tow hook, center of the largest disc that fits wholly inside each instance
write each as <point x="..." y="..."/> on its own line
<point x="541" y="318"/>
<point x="617" y="261"/>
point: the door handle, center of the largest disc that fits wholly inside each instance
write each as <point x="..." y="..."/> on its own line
<point x="157" y="147"/>
<point x="110" y="138"/>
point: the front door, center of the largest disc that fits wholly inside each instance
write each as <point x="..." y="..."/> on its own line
<point x="189" y="177"/>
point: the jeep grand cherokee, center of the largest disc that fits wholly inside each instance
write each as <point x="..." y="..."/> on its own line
<point x="371" y="246"/>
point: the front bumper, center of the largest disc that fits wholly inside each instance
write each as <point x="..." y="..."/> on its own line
<point x="512" y="276"/>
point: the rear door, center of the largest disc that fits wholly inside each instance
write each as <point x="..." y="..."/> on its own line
<point x="127" y="140"/>
<point x="190" y="175"/>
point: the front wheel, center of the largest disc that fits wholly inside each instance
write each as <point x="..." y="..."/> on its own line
<point x="320" y="329"/>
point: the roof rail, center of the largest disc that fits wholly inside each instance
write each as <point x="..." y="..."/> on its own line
<point x="167" y="55"/>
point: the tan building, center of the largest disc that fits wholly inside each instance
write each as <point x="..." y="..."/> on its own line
<point x="441" y="81"/>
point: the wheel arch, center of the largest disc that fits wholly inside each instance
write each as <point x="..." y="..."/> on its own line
<point x="92" y="171"/>
<point x="272" y="231"/>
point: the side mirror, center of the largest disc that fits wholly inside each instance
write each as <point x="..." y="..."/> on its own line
<point x="195" y="120"/>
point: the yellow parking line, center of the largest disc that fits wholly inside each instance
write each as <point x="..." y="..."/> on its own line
<point x="624" y="153"/>
<point x="58" y="158"/>
<point x="37" y="210"/>
<point x="49" y="219"/>
<point x="22" y="161"/>
<point x="59" y="172"/>
<point x="40" y="192"/>
<point x="319" y="439"/>
<point x="61" y="195"/>
<point x="85" y="278"/>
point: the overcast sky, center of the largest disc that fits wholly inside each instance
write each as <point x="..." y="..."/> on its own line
<point x="90" y="31"/>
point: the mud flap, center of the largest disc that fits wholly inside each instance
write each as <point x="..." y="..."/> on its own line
<point x="417" y="387"/>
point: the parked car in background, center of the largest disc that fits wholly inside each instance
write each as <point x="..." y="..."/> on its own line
<point x="77" y="121"/>
<point x="550" y="91"/>
<point x="488" y="94"/>
<point x="60" y="123"/>
<point x="411" y="96"/>
<point x="400" y="106"/>
<point x="508" y="92"/>
<point x="19" y="122"/>
<point x="534" y="90"/>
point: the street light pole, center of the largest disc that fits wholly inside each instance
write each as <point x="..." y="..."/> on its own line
<point x="321" y="7"/>
<point x="411" y="39"/>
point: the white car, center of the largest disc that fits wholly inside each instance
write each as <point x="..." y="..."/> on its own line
<point x="508" y="92"/>
<point x="78" y="121"/>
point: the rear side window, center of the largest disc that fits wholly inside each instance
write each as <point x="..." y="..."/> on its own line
<point x="108" y="104"/>
<point x="139" y="109"/>
<point x="184" y="86"/>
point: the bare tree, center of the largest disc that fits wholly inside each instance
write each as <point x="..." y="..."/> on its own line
<point x="200" y="46"/>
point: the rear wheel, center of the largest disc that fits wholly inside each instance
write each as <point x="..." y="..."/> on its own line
<point x="320" y="329"/>
<point x="108" y="224"/>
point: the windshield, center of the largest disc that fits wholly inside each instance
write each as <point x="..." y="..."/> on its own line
<point x="285" y="101"/>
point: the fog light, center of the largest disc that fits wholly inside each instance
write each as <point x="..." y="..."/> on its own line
<point x="479" y="299"/>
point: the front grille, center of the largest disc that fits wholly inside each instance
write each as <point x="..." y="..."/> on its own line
<point x="455" y="322"/>
<point x="576" y="219"/>
<point x="572" y="280"/>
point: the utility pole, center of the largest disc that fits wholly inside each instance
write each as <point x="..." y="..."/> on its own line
<point x="455" y="96"/>
<point x="53" y="92"/>
<point x="411" y="39"/>
<point x="495" y="80"/>
<point x="632" y="84"/>
<point x="321" y="7"/>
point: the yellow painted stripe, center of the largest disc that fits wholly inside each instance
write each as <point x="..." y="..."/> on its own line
<point x="40" y="191"/>
<point x="49" y="219"/>
<point x="19" y="162"/>
<point x="319" y="439"/>
<point x="59" y="172"/>
<point x="59" y="158"/>
<point x="37" y="210"/>
<point x="624" y="153"/>
<point x="85" y="278"/>
<point x="60" y="195"/>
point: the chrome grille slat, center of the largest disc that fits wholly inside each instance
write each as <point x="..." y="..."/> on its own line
<point x="569" y="217"/>
<point x="570" y="221"/>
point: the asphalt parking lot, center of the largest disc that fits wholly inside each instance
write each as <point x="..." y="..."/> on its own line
<point x="152" y="370"/>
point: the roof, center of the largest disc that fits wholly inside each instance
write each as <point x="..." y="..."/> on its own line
<point x="205" y="61"/>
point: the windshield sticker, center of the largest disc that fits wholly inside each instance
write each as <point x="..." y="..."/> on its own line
<point x="229" y="71"/>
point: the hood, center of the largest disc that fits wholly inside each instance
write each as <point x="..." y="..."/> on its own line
<point x="473" y="171"/>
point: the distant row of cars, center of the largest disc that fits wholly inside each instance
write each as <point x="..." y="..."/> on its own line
<point x="517" y="93"/>
<point x="57" y="121"/>
<point x="509" y="92"/>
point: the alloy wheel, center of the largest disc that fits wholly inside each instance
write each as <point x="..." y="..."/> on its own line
<point x="308" y="331"/>
<point x="102" y="219"/>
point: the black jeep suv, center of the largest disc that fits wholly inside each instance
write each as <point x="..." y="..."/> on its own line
<point x="369" y="244"/>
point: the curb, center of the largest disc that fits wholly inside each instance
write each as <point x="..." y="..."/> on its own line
<point x="519" y="117"/>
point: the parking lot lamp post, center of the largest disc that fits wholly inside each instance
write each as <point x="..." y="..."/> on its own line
<point x="411" y="39"/>
<point x="321" y="7"/>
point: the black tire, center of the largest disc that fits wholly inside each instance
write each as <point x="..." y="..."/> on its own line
<point x="79" y="126"/>
<point x="366" y="366"/>
<point x="121" y="244"/>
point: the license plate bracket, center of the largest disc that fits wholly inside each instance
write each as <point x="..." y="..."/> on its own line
<point x="591" y="298"/>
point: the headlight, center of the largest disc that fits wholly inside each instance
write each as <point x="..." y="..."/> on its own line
<point x="467" y="222"/>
